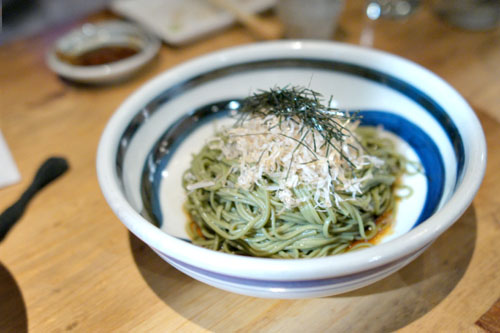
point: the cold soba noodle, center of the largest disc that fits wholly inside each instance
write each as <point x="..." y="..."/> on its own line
<point x="292" y="178"/>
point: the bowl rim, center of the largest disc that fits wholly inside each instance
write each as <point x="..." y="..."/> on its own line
<point x="302" y="269"/>
<point x="104" y="72"/>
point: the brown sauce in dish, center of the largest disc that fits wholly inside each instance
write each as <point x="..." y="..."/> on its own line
<point x="386" y="223"/>
<point x="99" y="56"/>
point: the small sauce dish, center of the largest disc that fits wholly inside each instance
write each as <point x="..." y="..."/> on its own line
<point x="103" y="52"/>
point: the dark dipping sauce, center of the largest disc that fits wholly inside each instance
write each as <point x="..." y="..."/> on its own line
<point x="99" y="56"/>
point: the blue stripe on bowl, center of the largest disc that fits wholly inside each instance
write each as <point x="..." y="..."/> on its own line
<point x="161" y="153"/>
<point x="287" y="285"/>
<point x="419" y="97"/>
<point x="408" y="90"/>
<point x="426" y="149"/>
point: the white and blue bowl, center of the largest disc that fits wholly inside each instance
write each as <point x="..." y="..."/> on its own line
<point x="148" y="143"/>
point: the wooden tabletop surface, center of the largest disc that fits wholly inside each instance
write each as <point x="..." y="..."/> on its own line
<point x="70" y="265"/>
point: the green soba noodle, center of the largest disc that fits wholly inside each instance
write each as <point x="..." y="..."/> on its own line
<point x="254" y="220"/>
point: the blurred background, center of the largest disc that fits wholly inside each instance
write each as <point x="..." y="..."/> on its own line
<point x="24" y="18"/>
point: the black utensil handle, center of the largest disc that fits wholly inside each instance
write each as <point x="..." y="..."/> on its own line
<point x="48" y="171"/>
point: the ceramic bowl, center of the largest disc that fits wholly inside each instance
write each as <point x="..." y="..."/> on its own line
<point x="148" y="142"/>
<point x="94" y="35"/>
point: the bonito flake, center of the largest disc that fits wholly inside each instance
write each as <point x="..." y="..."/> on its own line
<point x="280" y="150"/>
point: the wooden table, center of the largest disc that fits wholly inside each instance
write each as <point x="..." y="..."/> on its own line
<point x="70" y="265"/>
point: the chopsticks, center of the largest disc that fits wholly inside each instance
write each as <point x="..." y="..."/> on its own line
<point x="262" y="29"/>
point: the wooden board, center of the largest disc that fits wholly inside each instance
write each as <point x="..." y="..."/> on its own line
<point x="70" y="265"/>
